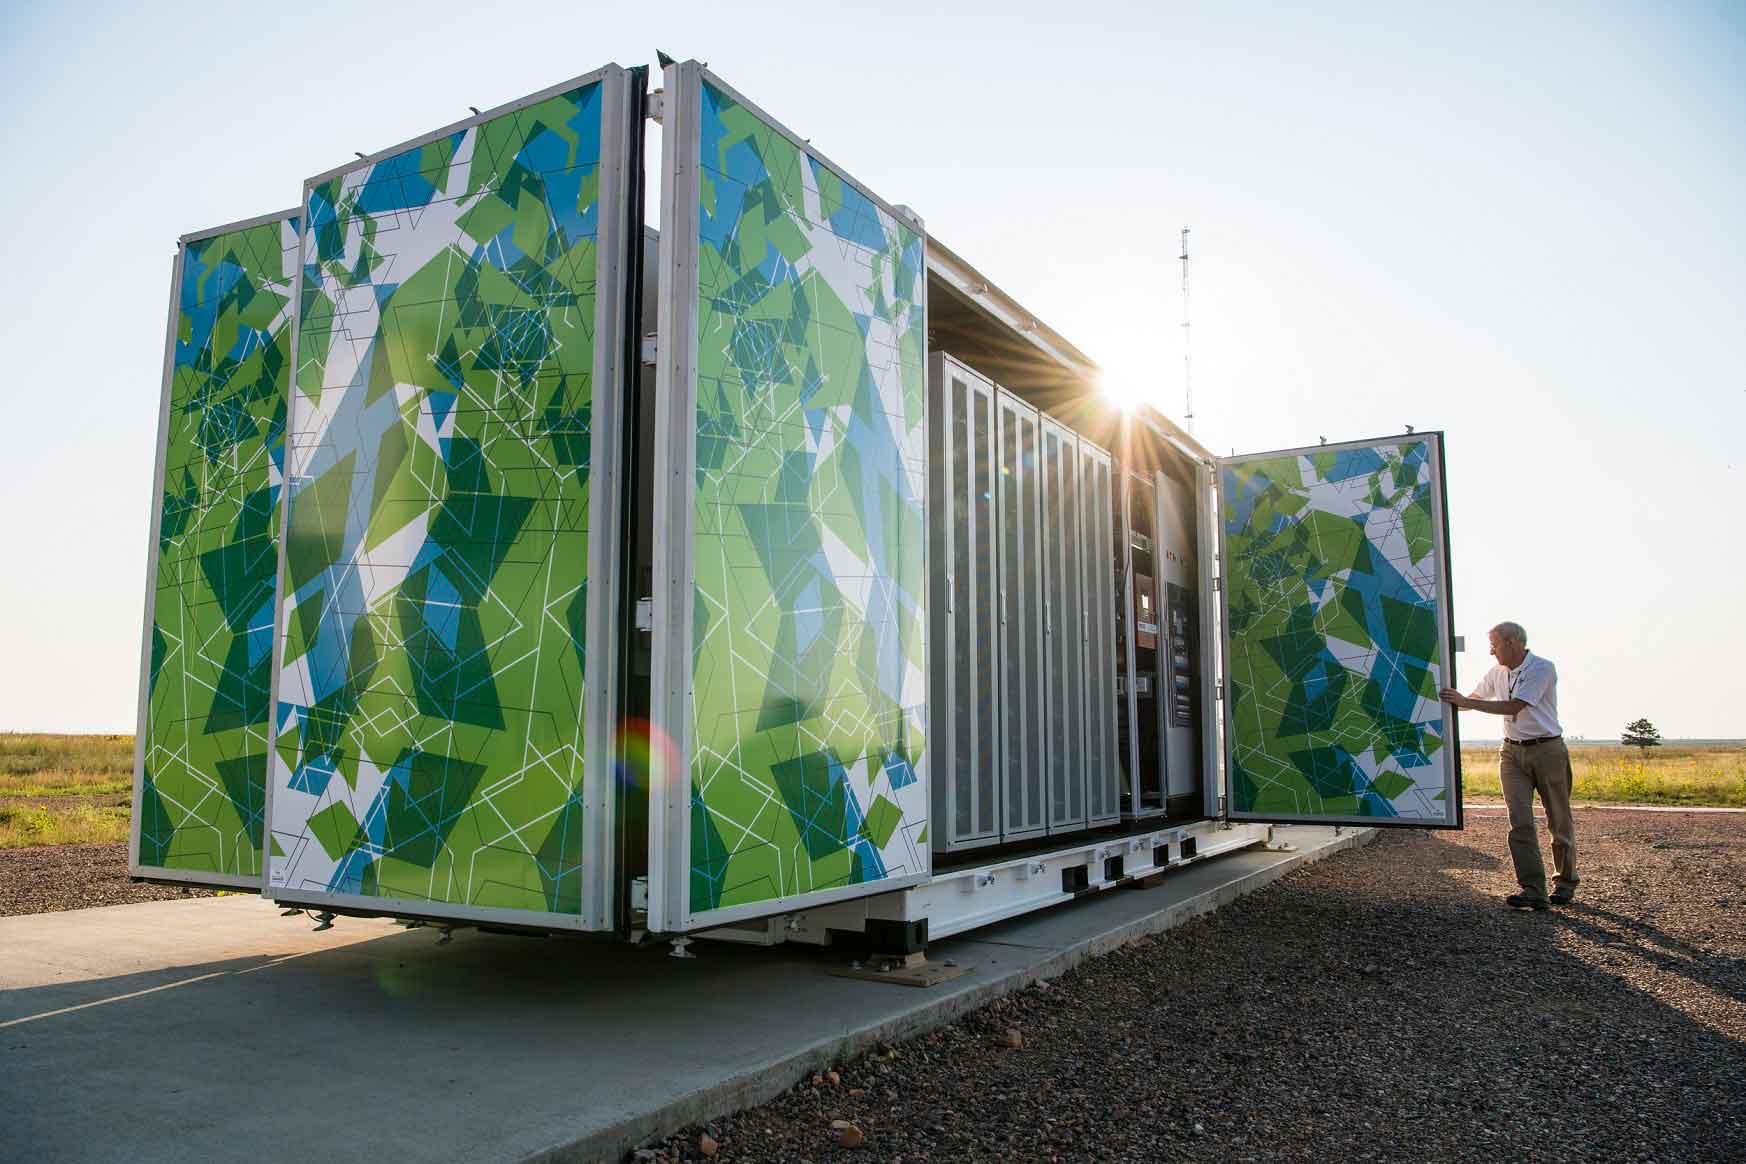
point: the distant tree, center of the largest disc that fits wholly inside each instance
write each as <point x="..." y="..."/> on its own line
<point x="1640" y="733"/>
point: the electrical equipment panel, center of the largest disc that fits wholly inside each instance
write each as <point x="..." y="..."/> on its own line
<point x="1178" y="665"/>
<point x="1182" y="614"/>
<point x="1145" y="613"/>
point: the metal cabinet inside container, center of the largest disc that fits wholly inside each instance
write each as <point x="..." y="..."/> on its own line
<point x="1022" y="625"/>
<point x="1018" y="497"/>
<point x="1101" y="552"/>
<point x="961" y="642"/>
<point x="1063" y="626"/>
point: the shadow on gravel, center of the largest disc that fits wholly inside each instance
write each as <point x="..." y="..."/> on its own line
<point x="1616" y="932"/>
<point x="1449" y="853"/>
<point x="1620" y="932"/>
<point x="1380" y="1005"/>
<point x="1582" y="912"/>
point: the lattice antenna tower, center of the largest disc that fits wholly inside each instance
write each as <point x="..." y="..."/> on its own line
<point x="1187" y="378"/>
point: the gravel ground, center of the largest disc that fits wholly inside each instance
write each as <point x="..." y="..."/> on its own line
<point x="1383" y="1004"/>
<point x="49" y="878"/>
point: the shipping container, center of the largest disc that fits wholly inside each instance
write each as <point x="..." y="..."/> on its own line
<point x="767" y="575"/>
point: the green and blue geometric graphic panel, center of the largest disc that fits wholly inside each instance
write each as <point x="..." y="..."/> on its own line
<point x="809" y="706"/>
<point x="429" y="729"/>
<point x="1334" y="625"/>
<point x="204" y="739"/>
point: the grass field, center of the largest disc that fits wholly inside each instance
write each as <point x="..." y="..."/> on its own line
<point x="22" y="826"/>
<point x="63" y="790"/>
<point x="1668" y="775"/>
<point x="38" y="765"/>
<point x="58" y="790"/>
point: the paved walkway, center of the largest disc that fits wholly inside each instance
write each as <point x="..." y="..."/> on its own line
<point x="214" y="1029"/>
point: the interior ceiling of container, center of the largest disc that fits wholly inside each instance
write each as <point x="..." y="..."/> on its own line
<point x="960" y="325"/>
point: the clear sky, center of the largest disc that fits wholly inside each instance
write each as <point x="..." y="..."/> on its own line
<point x="1525" y="227"/>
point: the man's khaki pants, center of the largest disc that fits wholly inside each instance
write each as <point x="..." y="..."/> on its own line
<point x="1545" y="768"/>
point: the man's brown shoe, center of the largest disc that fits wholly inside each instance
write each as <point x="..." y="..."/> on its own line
<point x="1563" y="896"/>
<point x="1523" y="901"/>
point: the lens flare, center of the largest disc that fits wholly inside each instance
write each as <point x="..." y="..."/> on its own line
<point x="645" y="754"/>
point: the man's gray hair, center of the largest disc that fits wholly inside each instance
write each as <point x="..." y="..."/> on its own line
<point x="1512" y="631"/>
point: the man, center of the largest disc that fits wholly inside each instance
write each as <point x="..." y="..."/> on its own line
<point x="1523" y="688"/>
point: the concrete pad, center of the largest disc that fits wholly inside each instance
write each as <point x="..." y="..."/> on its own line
<point x="212" y="1029"/>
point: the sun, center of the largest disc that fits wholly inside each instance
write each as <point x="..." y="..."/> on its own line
<point x="1126" y="392"/>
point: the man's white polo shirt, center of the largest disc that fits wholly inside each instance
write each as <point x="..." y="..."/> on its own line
<point x="1535" y="683"/>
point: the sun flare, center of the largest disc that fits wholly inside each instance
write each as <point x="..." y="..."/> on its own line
<point x="1125" y="392"/>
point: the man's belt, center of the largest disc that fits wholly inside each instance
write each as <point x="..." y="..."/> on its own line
<point x="1535" y="740"/>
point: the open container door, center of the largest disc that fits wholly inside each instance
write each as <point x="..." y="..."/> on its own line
<point x="1336" y="617"/>
<point x="446" y="690"/>
<point x="200" y="761"/>
<point x="790" y="608"/>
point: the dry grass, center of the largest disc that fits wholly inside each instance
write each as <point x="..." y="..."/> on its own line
<point x="44" y="765"/>
<point x="84" y="770"/>
<point x="60" y="790"/>
<point x="1668" y="775"/>
<point x="23" y="825"/>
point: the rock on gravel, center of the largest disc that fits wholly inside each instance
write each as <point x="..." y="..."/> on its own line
<point x="1382" y="1004"/>
<point x="49" y="878"/>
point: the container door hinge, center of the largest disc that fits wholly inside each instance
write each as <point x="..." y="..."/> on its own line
<point x="650" y="349"/>
<point x="639" y="894"/>
<point x="646" y="614"/>
<point x="657" y="105"/>
<point x="1218" y="584"/>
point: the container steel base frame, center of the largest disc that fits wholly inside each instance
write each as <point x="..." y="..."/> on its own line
<point x="956" y="901"/>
